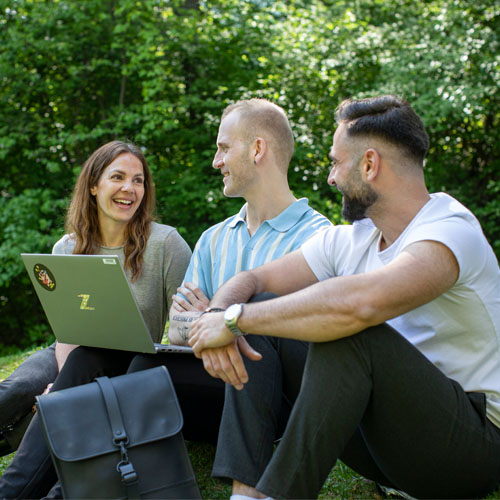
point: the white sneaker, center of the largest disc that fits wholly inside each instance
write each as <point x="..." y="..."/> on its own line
<point x="393" y="492"/>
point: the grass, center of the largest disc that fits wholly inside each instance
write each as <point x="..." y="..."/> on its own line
<point x="10" y="362"/>
<point x="341" y="484"/>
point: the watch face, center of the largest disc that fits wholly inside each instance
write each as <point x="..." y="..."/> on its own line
<point x="233" y="313"/>
<point x="231" y="317"/>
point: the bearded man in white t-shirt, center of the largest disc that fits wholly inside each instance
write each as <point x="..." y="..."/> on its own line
<point x="402" y="381"/>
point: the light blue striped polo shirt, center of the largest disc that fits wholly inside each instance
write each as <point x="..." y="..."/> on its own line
<point x="227" y="248"/>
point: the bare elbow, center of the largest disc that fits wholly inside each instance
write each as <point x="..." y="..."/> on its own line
<point x="252" y="282"/>
<point x="368" y="314"/>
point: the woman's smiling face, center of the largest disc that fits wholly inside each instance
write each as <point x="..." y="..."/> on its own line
<point x="120" y="190"/>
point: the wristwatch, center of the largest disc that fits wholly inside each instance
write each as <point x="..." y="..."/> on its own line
<point x="231" y="317"/>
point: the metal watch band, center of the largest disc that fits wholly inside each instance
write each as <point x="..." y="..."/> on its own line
<point x="236" y="331"/>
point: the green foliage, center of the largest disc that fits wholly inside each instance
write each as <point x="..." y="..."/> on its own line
<point x="74" y="75"/>
<point x="30" y="221"/>
<point x="446" y="62"/>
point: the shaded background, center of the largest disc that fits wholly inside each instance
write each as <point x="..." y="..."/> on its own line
<point x="75" y="74"/>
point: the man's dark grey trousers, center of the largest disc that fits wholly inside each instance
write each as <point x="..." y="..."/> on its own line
<point x="372" y="400"/>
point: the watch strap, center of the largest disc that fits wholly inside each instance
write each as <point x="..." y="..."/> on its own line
<point x="212" y="310"/>
<point x="235" y="330"/>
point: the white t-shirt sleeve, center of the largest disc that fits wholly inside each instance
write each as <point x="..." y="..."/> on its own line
<point x="460" y="236"/>
<point x="317" y="252"/>
<point x="340" y="250"/>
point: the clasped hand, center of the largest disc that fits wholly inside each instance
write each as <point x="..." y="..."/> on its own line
<point x="220" y="351"/>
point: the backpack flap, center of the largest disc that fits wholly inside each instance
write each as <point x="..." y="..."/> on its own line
<point x="77" y="424"/>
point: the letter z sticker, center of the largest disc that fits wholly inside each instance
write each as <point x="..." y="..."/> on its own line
<point x="85" y="298"/>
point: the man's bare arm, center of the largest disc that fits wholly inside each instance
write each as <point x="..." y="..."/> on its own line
<point x="336" y="307"/>
<point x="281" y="277"/>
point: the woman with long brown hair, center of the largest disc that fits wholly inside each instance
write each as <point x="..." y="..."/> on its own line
<point x="111" y="213"/>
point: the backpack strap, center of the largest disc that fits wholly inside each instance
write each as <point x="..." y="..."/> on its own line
<point x="120" y="438"/>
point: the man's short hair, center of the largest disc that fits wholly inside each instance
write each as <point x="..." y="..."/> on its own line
<point x="389" y="118"/>
<point x="262" y="115"/>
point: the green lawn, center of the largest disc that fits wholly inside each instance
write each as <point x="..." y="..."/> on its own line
<point x="342" y="483"/>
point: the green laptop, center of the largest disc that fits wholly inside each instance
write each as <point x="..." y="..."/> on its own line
<point x="88" y="301"/>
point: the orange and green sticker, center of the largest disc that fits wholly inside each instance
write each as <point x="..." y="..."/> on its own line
<point x="45" y="277"/>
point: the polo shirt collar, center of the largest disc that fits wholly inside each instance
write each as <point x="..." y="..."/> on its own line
<point x="282" y="222"/>
<point x="239" y="217"/>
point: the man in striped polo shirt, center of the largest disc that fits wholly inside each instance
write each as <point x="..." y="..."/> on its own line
<point x="254" y="148"/>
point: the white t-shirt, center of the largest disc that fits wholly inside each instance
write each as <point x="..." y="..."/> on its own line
<point x="458" y="331"/>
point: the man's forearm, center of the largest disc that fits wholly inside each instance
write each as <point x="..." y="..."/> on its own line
<point x="333" y="308"/>
<point x="288" y="316"/>
<point x="179" y="326"/>
<point x="240" y="288"/>
<point x="318" y="312"/>
<point x="311" y="314"/>
<point x="344" y="305"/>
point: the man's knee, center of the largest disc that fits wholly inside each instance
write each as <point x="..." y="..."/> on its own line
<point x="362" y="340"/>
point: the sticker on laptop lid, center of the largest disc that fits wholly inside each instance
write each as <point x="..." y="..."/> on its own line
<point x="109" y="261"/>
<point x="85" y="300"/>
<point x="45" y="277"/>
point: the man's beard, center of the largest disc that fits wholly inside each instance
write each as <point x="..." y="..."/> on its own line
<point x="354" y="206"/>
